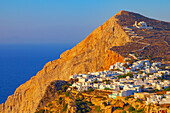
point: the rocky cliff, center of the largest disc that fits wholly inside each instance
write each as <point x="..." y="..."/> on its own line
<point x="92" y="54"/>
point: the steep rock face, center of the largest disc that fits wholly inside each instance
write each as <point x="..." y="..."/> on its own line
<point x="92" y="54"/>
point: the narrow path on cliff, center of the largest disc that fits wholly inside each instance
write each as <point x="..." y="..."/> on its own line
<point x="131" y="32"/>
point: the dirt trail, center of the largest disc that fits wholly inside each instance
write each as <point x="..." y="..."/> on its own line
<point x="131" y="32"/>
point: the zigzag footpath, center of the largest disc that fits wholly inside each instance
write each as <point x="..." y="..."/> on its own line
<point x="130" y="31"/>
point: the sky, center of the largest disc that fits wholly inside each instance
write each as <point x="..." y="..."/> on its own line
<point x="66" y="21"/>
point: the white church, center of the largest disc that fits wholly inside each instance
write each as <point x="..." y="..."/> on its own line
<point x="142" y="24"/>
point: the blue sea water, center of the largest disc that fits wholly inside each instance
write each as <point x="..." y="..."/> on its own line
<point x="18" y="63"/>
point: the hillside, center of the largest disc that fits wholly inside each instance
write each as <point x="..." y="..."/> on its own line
<point x="96" y="52"/>
<point x="157" y="39"/>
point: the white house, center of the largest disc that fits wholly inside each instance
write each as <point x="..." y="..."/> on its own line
<point x="102" y="86"/>
<point x="96" y="85"/>
<point x="166" y="72"/>
<point x="82" y="79"/>
<point x="85" y="76"/>
<point x="125" y="93"/>
<point x="156" y="64"/>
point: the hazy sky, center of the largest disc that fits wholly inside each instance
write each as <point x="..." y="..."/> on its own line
<point x="66" y="21"/>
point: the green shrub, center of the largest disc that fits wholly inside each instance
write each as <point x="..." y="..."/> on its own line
<point x="167" y="89"/>
<point x="98" y="109"/>
<point x="40" y="111"/>
<point x="83" y="110"/>
<point x="131" y="109"/>
<point x="64" y="87"/>
<point x="140" y="110"/>
<point x="138" y="100"/>
<point x="88" y="109"/>
<point x="88" y="103"/>
<point x="120" y="76"/>
<point x="59" y="92"/>
<point x="90" y="89"/>
<point x="49" y="105"/>
<point x="119" y="108"/>
<point x="126" y="98"/>
<point x="60" y="100"/>
<point x="129" y="74"/>
<point x="123" y="111"/>
<point x="156" y="90"/>
<point x="105" y="104"/>
<point x="107" y="88"/>
<point x="67" y="94"/>
<point x="65" y="107"/>
<point x="159" y="78"/>
<point x="79" y="111"/>
<point x="83" y="106"/>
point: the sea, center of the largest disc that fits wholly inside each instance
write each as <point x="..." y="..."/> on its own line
<point x="19" y="62"/>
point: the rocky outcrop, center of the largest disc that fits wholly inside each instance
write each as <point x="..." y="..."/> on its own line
<point x="51" y="92"/>
<point x="92" y="54"/>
